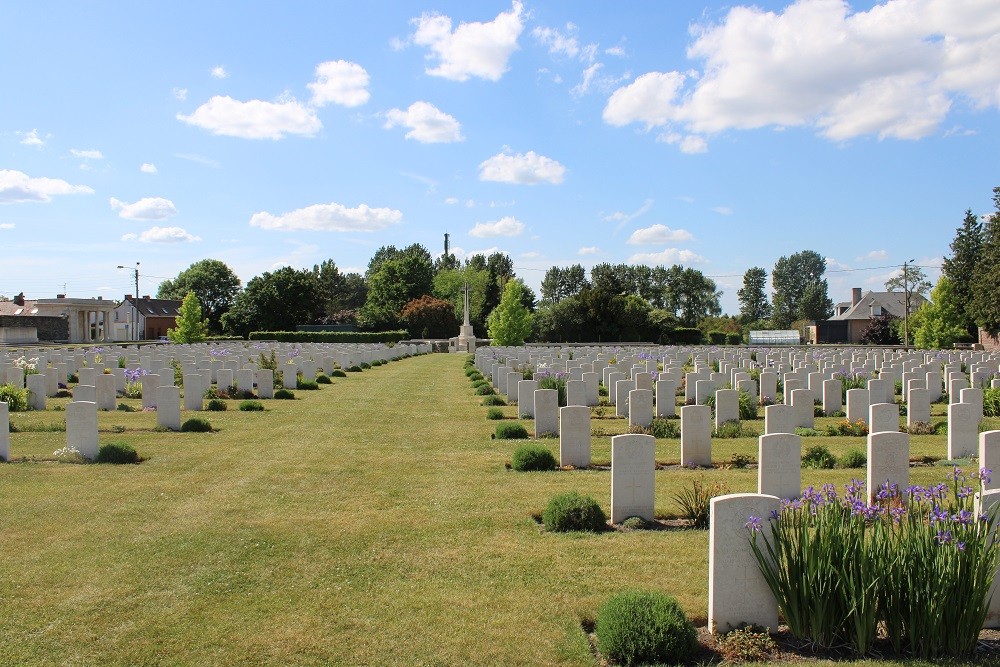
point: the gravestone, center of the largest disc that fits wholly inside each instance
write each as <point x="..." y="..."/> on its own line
<point x="225" y="378"/>
<point x="986" y="503"/>
<point x="888" y="461"/>
<point x="989" y="457"/>
<point x="192" y="392"/>
<point x="877" y="391"/>
<point x="643" y="380"/>
<point x="576" y="392"/>
<point x="244" y="380"/>
<point x="696" y="435"/>
<point x="592" y="382"/>
<point x="779" y="418"/>
<point x="779" y="465"/>
<point x="805" y="413"/>
<point x="633" y="477"/>
<point x="833" y="397"/>
<point x="918" y="406"/>
<point x="640" y="407"/>
<point x="727" y="406"/>
<point x="168" y="407"/>
<point x="883" y="418"/>
<point x="858" y="405"/>
<point x="790" y="387"/>
<point x="702" y="390"/>
<point x="81" y="427"/>
<point x="526" y="398"/>
<point x="666" y="398"/>
<point x="288" y="378"/>
<point x="510" y="385"/>
<point x="934" y="385"/>
<point x="265" y="383"/>
<point x="768" y="387"/>
<point x="36" y="391"/>
<point x="974" y="397"/>
<point x="85" y="392"/>
<point x="611" y="383"/>
<point x="87" y="375"/>
<point x="574" y="436"/>
<point x="150" y="385"/>
<point x="622" y="389"/>
<point x="106" y="397"/>
<point x="4" y="431"/>
<point x="546" y="411"/>
<point x="963" y="429"/>
<point x="955" y="388"/>
<point x="738" y="594"/>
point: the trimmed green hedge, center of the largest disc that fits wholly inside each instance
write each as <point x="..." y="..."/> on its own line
<point x="686" y="336"/>
<point x="330" y="336"/>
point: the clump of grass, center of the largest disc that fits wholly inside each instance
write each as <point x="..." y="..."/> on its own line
<point x="854" y="458"/>
<point x="493" y="399"/>
<point x="819" y="457"/>
<point x="747" y="644"/>
<point x="511" y="431"/>
<point x="485" y="390"/>
<point x="251" y="406"/>
<point x="338" y="373"/>
<point x="733" y="429"/>
<point x="742" y="460"/>
<point x="921" y="428"/>
<point x="117" y="453"/>
<point x="306" y="385"/>
<point x="354" y="369"/>
<point x="284" y="395"/>
<point x="216" y="405"/>
<point x="323" y="379"/>
<point x="196" y="425"/>
<point x="532" y="457"/>
<point x="118" y="428"/>
<point x="634" y="523"/>
<point x="695" y="502"/>
<point x="661" y="427"/>
<point x="573" y="512"/>
<point x="641" y="627"/>
<point x="494" y="413"/>
<point x="125" y="407"/>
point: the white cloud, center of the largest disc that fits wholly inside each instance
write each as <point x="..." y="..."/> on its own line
<point x="329" y="218"/>
<point x="219" y="72"/>
<point x="340" y="82"/>
<point x="16" y="186"/>
<point x="557" y="42"/>
<point x="615" y="51"/>
<point x="162" y="235"/>
<point x="86" y="155"/>
<point x="255" y="119"/>
<point x="624" y="218"/>
<point x="180" y="93"/>
<point x="470" y="203"/>
<point x="527" y="169"/>
<point x="834" y="265"/>
<point x="668" y="256"/>
<point x="532" y="255"/>
<point x="590" y="250"/>
<point x="451" y="201"/>
<point x="427" y="123"/>
<point x="472" y="49"/>
<point x="506" y="226"/>
<point x="658" y="234"/>
<point x="874" y="255"/>
<point x="148" y="208"/>
<point x="200" y="159"/>
<point x="31" y="138"/>
<point x="147" y="168"/>
<point x="722" y="210"/>
<point x="7" y="225"/>
<point x="893" y="71"/>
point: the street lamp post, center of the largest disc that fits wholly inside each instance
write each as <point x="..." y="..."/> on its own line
<point x="132" y="313"/>
<point x="906" y="305"/>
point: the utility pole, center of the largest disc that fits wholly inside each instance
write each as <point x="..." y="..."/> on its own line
<point x="132" y="312"/>
<point x="906" y="306"/>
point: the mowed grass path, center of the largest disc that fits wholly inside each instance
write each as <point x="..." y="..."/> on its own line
<point x="369" y="523"/>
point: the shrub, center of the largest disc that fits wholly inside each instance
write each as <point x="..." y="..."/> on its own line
<point x="819" y="456"/>
<point x="493" y="399"/>
<point x="991" y="402"/>
<point x="73" y="378"/>
<point x="323" y="379"/>
<point x="330" y="336"/>
<point x="571" y="512"/>
<point x="251" y="406"/>
<point x="717" y="337"/>
<point x="748" y="407"/>
<point x="854" y="458"/>
<point x="338" y="373"/>
<point x="742" y="460"/>
<point x="64" y="393"/>
<point x="921" y="428"/>
<point x="733" y="429"/>
<point x="216" y="405"/>
<point x="306" y="385"/>
<point x="633" y="523"/>
<point x="644" y="627"/>
<point x="476" y="384"/>
<point x="511" y="431"/>
<point x="476" y="376"/>
<point x="661" y="427"/>
<point x="470" y="371"/>
<point x="354" y="369"/>
<point x="125" y="407"/>
<point x="116" y="453"/>
<point x="734" y="339"/>
<point x="485" y="390"/>
<point x="494" y="413"/>
<point x="686" y="336"/>
<point x="856" y="428"/>
<point x="532" y="457"/>
<point x="15" y="398"/>
<point x="747" y="644"/>
<point x="69" y="454"/>
<point x="196" y="425"/>
<point x="695" y="502"/>
<point x="377" y="362"/>
<point x="365" y="366"/>
<point x="284" y="395"/>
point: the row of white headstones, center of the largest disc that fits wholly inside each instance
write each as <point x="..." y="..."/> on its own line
<point x="202" y="366"/>
<point x="738" y="594"/>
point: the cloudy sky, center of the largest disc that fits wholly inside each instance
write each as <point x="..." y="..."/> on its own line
<point x="712" y="135"/>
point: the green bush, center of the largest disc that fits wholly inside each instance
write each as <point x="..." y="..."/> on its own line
<point x="117" y="453"/>
<point x="991" y="402"/>
<point x="330" y="336"/>
<point x="493" y="399"/>
<point x="734" y="339"/>
<point x="473" y="377"/>
<point x="494" y="413"/>
<point x="354" y="369"/>
<point x="853" y="458"/>
<point x="470" y="370"/>
<point x="695" y="502"/>
<point x="733" y="429"/>
<point x="196" y="425"/>
<point x="284" y="395"/>
<point x="306" y="385"/>
<point x="572" y="512"/>
<point x="819" y="456"/>
<point x="476" y="384"/>
<point x="532" y="457"/>
<point x="636" y="627"/>
<point x="251" y="406"/>
<point x="377" y="362"/>
<point x="484" y="390"/>
<point x="216" y="405"/>
<point x="323" y="379"/>
<point x="661" y="427"/>
<point x="365" y="366"/>
<point x="748" y="407"/>
<point x="747" y="644"/>
<point x="338" y="373"/>
<point x="686" y="336"/>
<point x="717" y="337"/>
<point x="511" y="431"/>
<point x="125" y="407"/>
<point x="16" y="399"/>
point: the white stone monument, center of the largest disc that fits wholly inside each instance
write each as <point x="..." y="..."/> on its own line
<point x="633" y="477"/>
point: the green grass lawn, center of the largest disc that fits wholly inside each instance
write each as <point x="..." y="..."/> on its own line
<point x="371" y="522"/>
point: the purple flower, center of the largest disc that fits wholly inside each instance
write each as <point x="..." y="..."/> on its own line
<point x="774" y="515"/>
<point x="753" y="523"/>
<point x="984" y="475"/>
<point x="960" y="546"/>
<point x="943" y="536"/>
<point x="964" y="518"/>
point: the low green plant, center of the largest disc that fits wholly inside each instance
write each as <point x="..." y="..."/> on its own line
<point x="116" y="453"/>
<point x="806" y="432"/>
<point x="365" y="365"/>
<point x="15" y="398"/>
<point x="853" y="458"/>
<point x="857" y="428"/>
<point x="196" y="425"/>
<point x="748" y="406"/>
<point x="991" y="402"/>
<point x="323" y="379"/>
<point x="532" y="457"/>
<point x="494" y="413"/>
<point x="640" y="627"/>
<point x="746" y="644"/>
<point x="216" y="405"/>
<point x="921" y="428"/>
<point x="742" y="460"/>
<point x="354" y="369"/>
<point x="511" y="431"/>
<point x="819" y="456"/>
<point x="476" y="384"/>
<point x="634" y="523"/>
<point x="338" y="373"/>
<point x="661" y="427"/>
<point x="571" y="511"/>
<point x="493" y="399"/>
<point x="733" y="429"/>
<point x="251" y="406"/>
<point x="284" y="394"/>
<point x="485" y="390"/>
<point x="69" y="454"/>
<point x="125" y="407"/>
<point x="306" y="385"/>
<point x="695" y="501"/>
<point x="377" y="362"/>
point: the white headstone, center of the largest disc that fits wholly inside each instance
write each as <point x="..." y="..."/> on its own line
<point x="576" y="392"/>
<point x="265" y="383"/>
<point x="780" y="418"/>
<point x="888" y="460"/>
<point x="546" y="411"/>
<point x="666" y="398"/>
<point x="696" y="435"/>
<point x="193" y="394"/>
<point x="225" y="378"/>
<point x="640" y="407"/>
<point x="805" y="412"/>
<point x="633" y="477"/>
<point x="150" y="385"/>
<point x="779" y="465"/>
<point x="963" y="429"/>
<point x="574" y="436"/>
<point x="989" y="458"/>
<point x="918" y="406"/>
<point x="986" y="503"/>
<point x="973" y="396"/>
<point x="883" y="418"/>
<point x="833" y="397"/>
<point x="168" y="407"/>
<point x="36" y="392"/>
<point x="81" y="427"/>
<point x="244" y="380"/>
<point x="857" y="405"/>
<point x="526" y="398"/>
<point x="727" y="406"/>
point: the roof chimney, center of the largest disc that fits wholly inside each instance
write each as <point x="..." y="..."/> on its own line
<point x="128" y="297"/>
<point x="19" y="299"/>
<point x="145" y="297"/>
<point x="855" y="296"/>
<point x="60" y="296"/>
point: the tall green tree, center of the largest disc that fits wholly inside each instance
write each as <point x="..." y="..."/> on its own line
<point x="560" y="283"/>
<point x="510" y="321"/>
<point x="449" y="284"/>
<point x="985" y="304"/>
<point x="940" y="323"/>
<point x="191" y="328"/>
<point x="407" y="275"/>
<point x="916" y="282"/>
<point x="212" y="281"/>
<point x="966" y="248"/>
<point x="275" y="301"/>
<point x="800" y="291"/>
<point x="691" y="295"/>
<point x="754" y="305"/>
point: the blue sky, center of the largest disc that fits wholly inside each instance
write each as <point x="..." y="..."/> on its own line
<point x="712" y="135"/>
